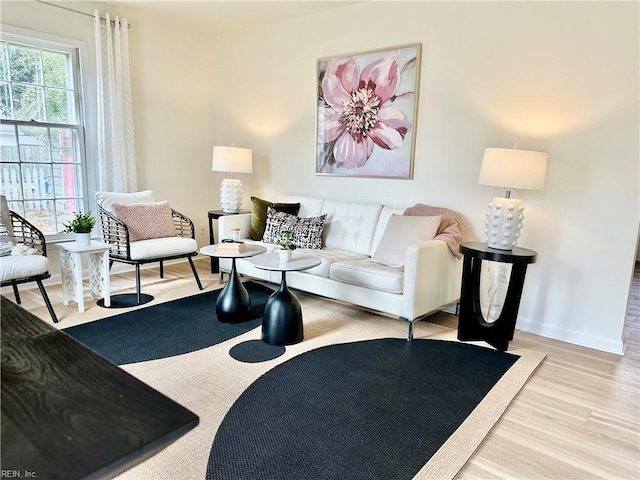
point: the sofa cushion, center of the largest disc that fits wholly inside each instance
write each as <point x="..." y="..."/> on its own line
<point x="328" y="257"/>
<point x="350" y="226"/>
<point x="401" y="232"/>
<point x="106" y="199"/>
<point x="22" y="266"/>
<point x="367" y="273"/>
<point x="307" y="232"/>
<point x="259" y="215"/>
<point x="146" y="220"/>
<point x="162" y="247"/>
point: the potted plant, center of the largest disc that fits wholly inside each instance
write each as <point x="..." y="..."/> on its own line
<point x="285" y="240"/>
<point x="81" y="225"/>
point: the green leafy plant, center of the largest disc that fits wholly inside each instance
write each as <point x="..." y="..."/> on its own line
<point x="285" y="240"/>
<point x="82" y="223"/>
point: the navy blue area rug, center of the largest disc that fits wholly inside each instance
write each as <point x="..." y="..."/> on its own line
<point x="376" y="409"/>
<point x="168" y="329"/>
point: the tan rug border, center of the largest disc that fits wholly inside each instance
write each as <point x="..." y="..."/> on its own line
<point x="458" y="449"/>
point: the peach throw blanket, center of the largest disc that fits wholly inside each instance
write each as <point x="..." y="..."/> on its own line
<point x="452" y="229"/>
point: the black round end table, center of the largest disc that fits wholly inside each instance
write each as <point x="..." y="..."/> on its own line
<point x="471" y="322"/>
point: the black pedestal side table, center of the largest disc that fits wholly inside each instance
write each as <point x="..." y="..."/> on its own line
<point x="282" y="319"/>
<point x="471" y="322"/>
<point x="233" y="304"/>
<point x="214" y="215"/>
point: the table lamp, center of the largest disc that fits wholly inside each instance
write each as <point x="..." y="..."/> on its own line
<point x="232" y="160"/>
<point x="509" y="168"/>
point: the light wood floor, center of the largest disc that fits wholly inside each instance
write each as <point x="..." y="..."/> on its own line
<point x="577" y="417"/>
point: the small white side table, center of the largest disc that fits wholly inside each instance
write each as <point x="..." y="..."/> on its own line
<point x="71" y="270"/>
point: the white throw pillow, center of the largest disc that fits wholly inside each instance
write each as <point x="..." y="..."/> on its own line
<point x="401" y="232"/>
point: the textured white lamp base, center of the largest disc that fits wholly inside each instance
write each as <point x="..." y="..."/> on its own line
<point x="504" y="222"/>
<point x="231" y="195"/>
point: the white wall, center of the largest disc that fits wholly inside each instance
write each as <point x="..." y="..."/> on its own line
<point x="558" y="77"/>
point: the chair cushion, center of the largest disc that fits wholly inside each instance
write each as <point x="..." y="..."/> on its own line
<point x="22" y="266"/>
<point x="106" y="199"/>
<point x="146" y="220"/>
<point x="259" y="215"/>
<point x="368" y="274"/>
<point x="401" y="232"/>
<point x="162" y="247"/>
<point x="329" y="257"/>
<point x="307" y="232"/>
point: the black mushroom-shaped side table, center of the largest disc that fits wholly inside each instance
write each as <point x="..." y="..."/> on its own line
<point x="471" y="323"/>
<point x="233" y="304"/>
<point x="282" y="319"/>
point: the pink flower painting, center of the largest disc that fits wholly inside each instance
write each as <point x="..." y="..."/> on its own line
<point x="366" y="113"/>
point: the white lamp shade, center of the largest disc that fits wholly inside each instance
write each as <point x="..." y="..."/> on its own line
<point x="514" y="169"/>
<point x="232" y="159"/>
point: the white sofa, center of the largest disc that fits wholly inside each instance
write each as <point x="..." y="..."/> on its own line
<point x="430" y="281"/>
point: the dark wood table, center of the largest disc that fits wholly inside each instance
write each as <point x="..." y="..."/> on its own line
<point x="471" y="322"/>
<point x="67" y="413"/>
<point x="214" y="215"/>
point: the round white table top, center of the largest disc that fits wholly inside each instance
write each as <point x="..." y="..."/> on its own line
<point x="299" y="261"/>
<point x="250" y="251"/>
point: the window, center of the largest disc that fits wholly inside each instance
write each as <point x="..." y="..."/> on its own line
<point x="42" y="154"/>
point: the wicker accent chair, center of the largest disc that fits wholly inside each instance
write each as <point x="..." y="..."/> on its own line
<point x="116" y="233"/>
<point x="18" y="269"/>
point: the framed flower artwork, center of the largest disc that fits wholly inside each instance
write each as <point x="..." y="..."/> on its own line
<point x="367" y="111"/>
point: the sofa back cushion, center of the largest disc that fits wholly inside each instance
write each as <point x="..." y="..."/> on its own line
<point x="350" y="226"/>
<point x="309" y="206"/>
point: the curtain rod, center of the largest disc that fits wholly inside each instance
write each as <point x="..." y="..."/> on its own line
<point x="74" y="11"/>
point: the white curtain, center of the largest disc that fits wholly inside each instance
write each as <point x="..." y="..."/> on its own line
<point x="116" y="152"/>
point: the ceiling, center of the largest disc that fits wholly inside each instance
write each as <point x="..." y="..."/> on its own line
<point x="220" y="16"/>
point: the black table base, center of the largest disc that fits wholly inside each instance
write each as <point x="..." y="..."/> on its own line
<point x="233" y="304"/>
<point x="282" y="319"/>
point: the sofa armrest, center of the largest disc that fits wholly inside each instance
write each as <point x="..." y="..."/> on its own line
<point x="227" y="222"/>
<point x="432" y="278"/>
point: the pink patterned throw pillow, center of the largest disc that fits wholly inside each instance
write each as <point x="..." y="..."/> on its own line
<point x="146" y="220"/>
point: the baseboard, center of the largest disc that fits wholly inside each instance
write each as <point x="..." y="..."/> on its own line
<point x="571" y="336"/>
